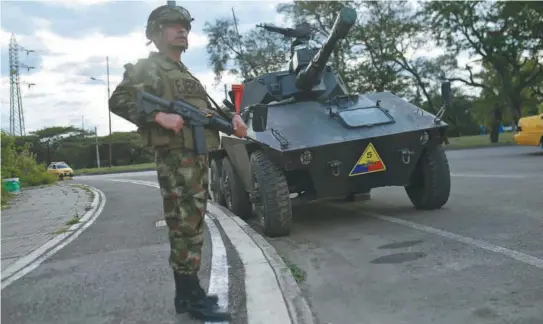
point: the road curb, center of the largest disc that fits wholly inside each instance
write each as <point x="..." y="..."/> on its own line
<point x="113" y="173"/>
<point x="295" y="303"/>
<point x="32" y="260"/>
<point x="479" y="147"/>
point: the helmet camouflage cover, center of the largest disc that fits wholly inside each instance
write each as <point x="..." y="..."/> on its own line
<point x="164" y="15"/>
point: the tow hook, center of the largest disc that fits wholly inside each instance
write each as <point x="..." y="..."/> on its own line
<point x="335" y="166"/>
<point x="406" y="155"/>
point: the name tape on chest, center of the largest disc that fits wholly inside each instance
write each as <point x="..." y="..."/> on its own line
<point x="189" y="87"/>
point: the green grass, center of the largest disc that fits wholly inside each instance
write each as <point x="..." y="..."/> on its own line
<point x="298" y="273"/>
<point x="61" y="230"/>
<point x="73" y="220"/>
<point x="480" y="141"/>
<point x="6" y="197"/>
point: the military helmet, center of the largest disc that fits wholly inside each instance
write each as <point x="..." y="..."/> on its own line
<point x="167" y="15"/>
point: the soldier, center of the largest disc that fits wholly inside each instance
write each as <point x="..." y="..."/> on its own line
<point x="182" y="175"/>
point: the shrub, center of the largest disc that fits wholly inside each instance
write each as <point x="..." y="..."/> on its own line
<point x="20" y="162"/>
<point x="6" y="196"/>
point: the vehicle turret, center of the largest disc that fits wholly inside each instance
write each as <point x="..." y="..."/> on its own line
<point x="308" y="76"/>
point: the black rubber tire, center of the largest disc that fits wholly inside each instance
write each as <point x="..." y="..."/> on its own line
<point x="215" y="182"/>
<point x="431" y="184"/>
<point x="274" y="209"/>
<point x="236" y="198"/>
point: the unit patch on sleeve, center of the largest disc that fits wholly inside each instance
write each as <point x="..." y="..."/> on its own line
<point x="369" y="162"/>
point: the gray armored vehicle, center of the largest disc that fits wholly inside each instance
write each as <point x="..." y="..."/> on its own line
<point x="323" y="142"/>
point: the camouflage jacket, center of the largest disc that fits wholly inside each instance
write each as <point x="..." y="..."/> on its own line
<point x="163" y="77"/>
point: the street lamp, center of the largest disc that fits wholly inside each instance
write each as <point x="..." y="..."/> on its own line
<point x="108" y="110"/>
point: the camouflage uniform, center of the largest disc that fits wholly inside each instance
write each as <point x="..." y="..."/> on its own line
<point x="182" y="175"/>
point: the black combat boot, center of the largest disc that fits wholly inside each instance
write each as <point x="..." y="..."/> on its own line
<point x="190" y="297"/>
<point x="182" y="293"/>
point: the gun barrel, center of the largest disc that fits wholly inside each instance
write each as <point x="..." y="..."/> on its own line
<point x="275" y="29"/>
<point x="155" y="100"/>
<point x="308" y="77"/>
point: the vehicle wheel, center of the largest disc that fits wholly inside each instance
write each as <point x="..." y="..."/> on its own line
<point x="271" y="199"/>
<point x="215" y="182"/>
<point x="235" y="196"/>
<point x="431" y="182"/>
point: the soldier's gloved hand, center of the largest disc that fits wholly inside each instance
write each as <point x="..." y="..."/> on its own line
<point x="173" y="122"/>
<point x="240" y="129"/>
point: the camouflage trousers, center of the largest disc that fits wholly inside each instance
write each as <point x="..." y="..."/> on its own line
<point x="183" y="180"/>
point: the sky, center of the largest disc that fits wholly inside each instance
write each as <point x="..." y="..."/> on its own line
<point x="71" y="40"/>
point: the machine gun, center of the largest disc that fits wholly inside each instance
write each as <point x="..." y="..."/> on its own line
<point x="308" y="77"/>
<point x="198" y="118"/>
<point x="302" y="30"/>
<point x="301" y="33"/>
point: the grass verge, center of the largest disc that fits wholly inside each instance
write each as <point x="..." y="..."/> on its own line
<point x="68" y="224"/>
<point x="479" y="141"/>
<point x="297" y="272"/>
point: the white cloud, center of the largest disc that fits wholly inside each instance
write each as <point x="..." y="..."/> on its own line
<point x="4" y="38"/>
<point x="74" y="4"/>
<point x="60" y="97"/>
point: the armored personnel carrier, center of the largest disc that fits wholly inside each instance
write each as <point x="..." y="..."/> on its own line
<point x="323" y="142"/>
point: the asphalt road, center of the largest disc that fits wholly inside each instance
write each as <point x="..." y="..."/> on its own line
<point x="478" y="260"/>
<point x="116" y="271"/>
<point x="373" y="262"/>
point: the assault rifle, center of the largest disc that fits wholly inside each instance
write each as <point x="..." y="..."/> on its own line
<point x="199" y="119"/>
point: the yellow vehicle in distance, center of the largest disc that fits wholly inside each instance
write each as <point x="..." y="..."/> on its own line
<point x="530" y="131"/>
<point x="61" y="169"/>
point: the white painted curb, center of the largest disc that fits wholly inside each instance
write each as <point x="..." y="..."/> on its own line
<point x="273" y="295"/>
<point x="32" y="260"/>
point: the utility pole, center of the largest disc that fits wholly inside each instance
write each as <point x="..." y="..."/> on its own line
<point x="109" y="112"/>
<point x="97" y="150"/>
<point x="225" y="92"/>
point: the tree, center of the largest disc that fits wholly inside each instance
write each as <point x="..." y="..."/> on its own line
<point x="377" y="54"/>
<point x="321" y="16"/>
<point x="505" y="35"/>
<point x="53" y="138"/>
<point x="393" y="32"/>
<point x="249" y="55"/>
